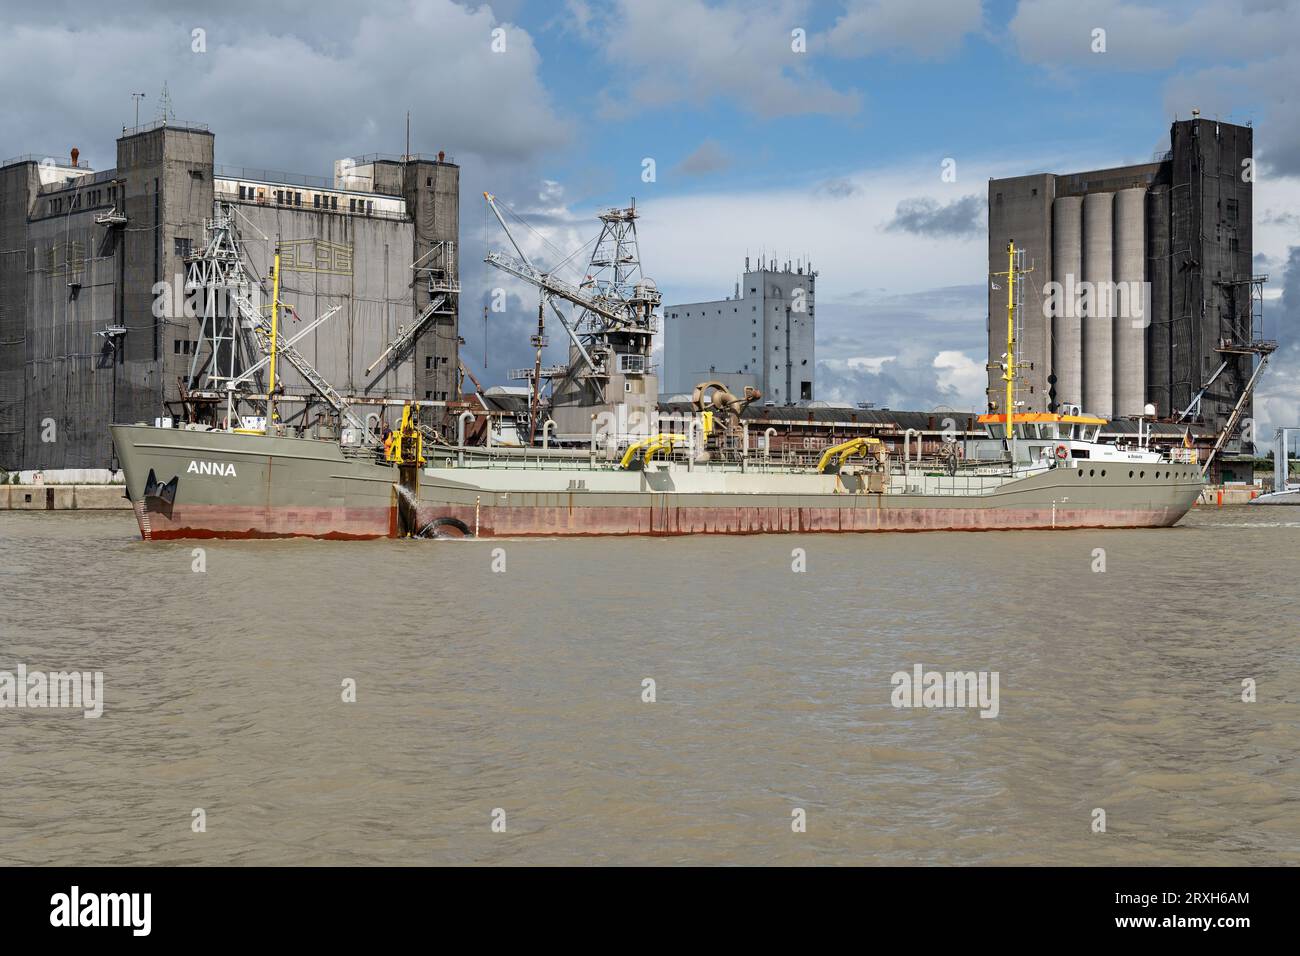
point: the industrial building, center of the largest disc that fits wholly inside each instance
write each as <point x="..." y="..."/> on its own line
<point x="96" y="269"/>
<point x="763" y="336"/>
<point x="1141" y="289"/>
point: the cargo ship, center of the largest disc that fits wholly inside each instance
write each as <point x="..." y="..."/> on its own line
<point x="693" y="476"/>
<point x="208" y="483"/>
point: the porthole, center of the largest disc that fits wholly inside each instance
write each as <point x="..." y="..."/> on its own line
<point x="1103" y="472"/>
<point x="1130" y="474"/>
<point x="1142" y="474"/>
<point x="1080" y="472"/>
<point x="1092" y="472"/>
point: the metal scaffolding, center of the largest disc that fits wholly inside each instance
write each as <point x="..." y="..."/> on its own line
<point x="235" y="333"/>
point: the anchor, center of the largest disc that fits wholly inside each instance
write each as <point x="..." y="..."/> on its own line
<point x="160" y="497"/>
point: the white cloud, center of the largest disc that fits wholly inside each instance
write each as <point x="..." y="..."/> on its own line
<point x="894" y="382"/>
<point x="281" y="92"/>
<point x="1149" y="36"/>
<point x="926" y="28"/>
<point x="1277" y="400"/>
<point x="690" y="51"/>
<point x="677" y="51"/>
<point x="962" y="376"/>
<point x="695" y="244"/>
<point x="868" y="363"/>
<point x="1235" y="59"/>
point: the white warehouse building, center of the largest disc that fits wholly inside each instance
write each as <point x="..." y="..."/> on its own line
<point x="762" y="336"/>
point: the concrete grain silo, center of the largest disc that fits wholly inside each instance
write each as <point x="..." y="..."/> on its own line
<point x="1194" y="233"/>
<point x="1067" y="272"/>
<point x="1098" y="265"/>
<point x="1129" y="302"/>
<point x="1159" y="343"/>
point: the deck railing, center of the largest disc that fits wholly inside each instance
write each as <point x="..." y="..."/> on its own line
<point x="927" y="478"/>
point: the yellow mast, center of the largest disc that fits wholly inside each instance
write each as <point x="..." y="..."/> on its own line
<point x="275" y="328"/>
<point x="1009" y="366"/>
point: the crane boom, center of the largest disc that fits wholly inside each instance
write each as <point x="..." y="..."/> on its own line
<point x="492" y="201"/>
<point x="553" y="286"/>
<point x="523" y="268"/>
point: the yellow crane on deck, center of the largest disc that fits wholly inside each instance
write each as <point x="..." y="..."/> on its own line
<point x="853" y="448"/>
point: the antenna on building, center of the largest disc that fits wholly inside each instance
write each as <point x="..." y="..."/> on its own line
<point x="165" y="112"/>
<point x="137" y="97"/>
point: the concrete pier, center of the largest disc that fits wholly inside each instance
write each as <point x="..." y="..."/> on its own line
<point x="63" y="498"/>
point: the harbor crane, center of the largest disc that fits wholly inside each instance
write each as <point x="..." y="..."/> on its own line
<point x="616" y="320"/>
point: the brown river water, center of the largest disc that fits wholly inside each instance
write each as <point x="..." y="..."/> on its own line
<point x="520" y="691"/>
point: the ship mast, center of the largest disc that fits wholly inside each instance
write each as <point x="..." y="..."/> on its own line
<point x="1015" y="272"/>
<point x="275" y="330"/>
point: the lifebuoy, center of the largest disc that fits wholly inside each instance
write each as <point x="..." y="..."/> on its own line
<point x="1062" y="452"/>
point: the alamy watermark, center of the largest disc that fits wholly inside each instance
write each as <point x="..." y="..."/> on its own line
<point x="184" y="298"/>
<point x="57" y="690"/>
<point x="129" y="910"/>
<point x="951" y="689"/>
<point x="1122" y="300"/>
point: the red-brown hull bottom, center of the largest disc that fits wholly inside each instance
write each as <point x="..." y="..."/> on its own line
<point x="340" y="523"/>
<point x="240" y="521"/>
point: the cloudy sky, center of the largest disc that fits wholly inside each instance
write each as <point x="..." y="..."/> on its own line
<point x="832" y="154"/>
